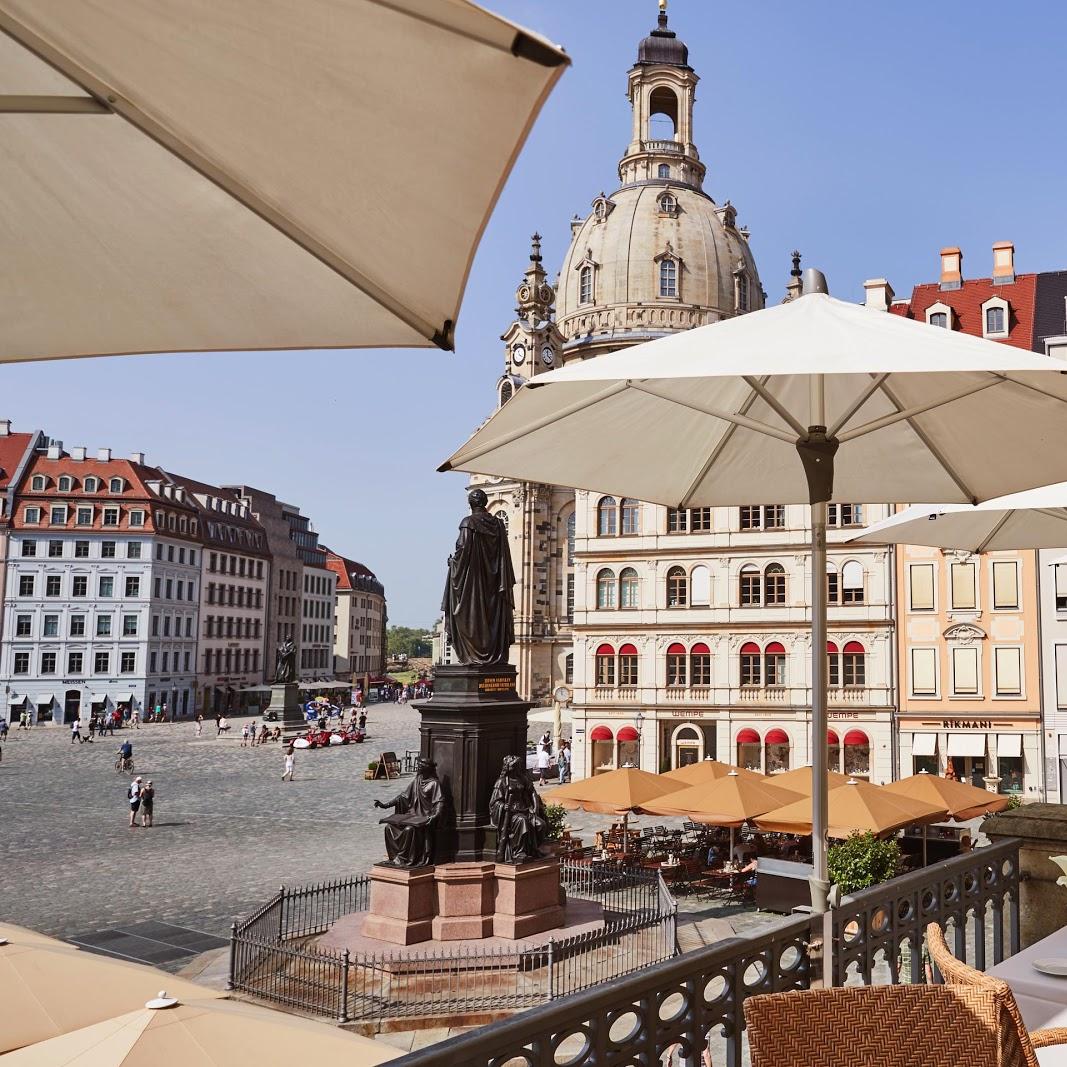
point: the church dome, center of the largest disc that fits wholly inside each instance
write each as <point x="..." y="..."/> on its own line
<point x="653" y="257"/>
<point x="662" y="46"/>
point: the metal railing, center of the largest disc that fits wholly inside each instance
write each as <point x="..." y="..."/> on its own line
<point x="271" y="959"/>
<point x="696" y="1001"/>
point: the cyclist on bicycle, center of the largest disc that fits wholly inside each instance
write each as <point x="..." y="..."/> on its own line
<point x="126" y="755"/>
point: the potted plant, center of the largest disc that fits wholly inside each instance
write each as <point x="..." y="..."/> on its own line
<point x="862" y="860"/>
<point x="556" y="817"/>
<point x="371" y="770"/>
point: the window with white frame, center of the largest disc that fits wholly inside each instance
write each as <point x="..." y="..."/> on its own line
<point x="585" y="285"/>
<point x="38" y="483"/>
<point x="677" y="520"/>
<point x="852" y="583"/>
<point x="700" y="585"/>
<point x="677" y="587"/>
<point x="995" y="317"/>
<point x="32" y="516"/>
<point x="630" y="517"/>
<point x="677" y="664"/>
<point x="965" y="671"/>
<point x="57" y="515"/>
<point x="91" y="484"/>
<point x="844" y="515"/>
<point x="83" y="515"/>
<point x="1008" y="671"/>
<point x="668" y="278"/>
<point x="66" y="483"/>
<point x="939" y="314"/>
<point x="668" y="204"/>
<point x="750" y="585"/>
<point x="605" y="588"/>
<point x="700" y="520"/>
<point x="629" y="587"/>
<point x="964" y="587"/>
<point x="924" y="671"/>
<point x="1005" y="585"/>
<point x="921" y="586"/>
<point x="774" y="663"/>
<point x="774" y="584"/>
<point x="111" y="516"/>
<point x="854" y="664"/>
<point x="607" y="517"/>
<point x="116" y="485"/>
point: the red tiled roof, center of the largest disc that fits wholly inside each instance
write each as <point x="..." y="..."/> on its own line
<point x="346" y="569"/>
<point x="967" y="302"/>
<point x="12" y="449"/>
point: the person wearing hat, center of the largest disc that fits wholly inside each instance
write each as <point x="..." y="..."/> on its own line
<point x="148" y="798"/>
<point x="134" y="797"/>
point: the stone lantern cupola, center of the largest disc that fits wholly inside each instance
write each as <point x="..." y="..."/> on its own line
<point x="662" y="90"/>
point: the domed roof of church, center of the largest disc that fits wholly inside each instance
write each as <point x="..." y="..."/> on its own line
<point x="663" y="46"/>
<point x="625" y="239"/>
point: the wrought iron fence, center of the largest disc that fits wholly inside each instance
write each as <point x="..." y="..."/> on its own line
<point x="268" y="961"/>
<point x="695" y="1002"/>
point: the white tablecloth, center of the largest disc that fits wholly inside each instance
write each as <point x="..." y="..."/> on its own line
<point x="1042" y="998"/>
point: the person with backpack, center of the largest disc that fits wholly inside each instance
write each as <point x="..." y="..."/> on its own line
<point x="133" y="795"/>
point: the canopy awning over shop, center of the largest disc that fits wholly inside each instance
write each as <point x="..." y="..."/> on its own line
<point x="45" y="698"/>
<point x="966" y="744"/>
<point x="1010" y="745"/>
<point x="924" y="744"/>
<point x="204" y="176"/>
<point x="14" y="700"/>
<point x="99" y="698"/>
<point x="123" y="698"/>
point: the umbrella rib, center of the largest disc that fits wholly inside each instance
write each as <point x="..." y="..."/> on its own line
<point x="228" y="183"/>
<point x="929" y="445"/>
<point x="1053" y="513"/>
<point x="997" y="527"/>
<point x="772" y="401"/>
<point x="876" y="381"/>
<point x="540" y="424"/>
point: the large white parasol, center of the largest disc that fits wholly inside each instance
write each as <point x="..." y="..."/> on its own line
<point x="814" y="400"/>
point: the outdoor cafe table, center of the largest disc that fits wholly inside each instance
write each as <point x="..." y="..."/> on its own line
<point x="1042" y="998"/>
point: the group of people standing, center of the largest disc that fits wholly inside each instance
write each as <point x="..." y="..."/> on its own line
<point x="142" y="798"/>
<point x="544" y="759"/>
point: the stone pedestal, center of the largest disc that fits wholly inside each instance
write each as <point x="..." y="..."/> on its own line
<point x="463" y="901"/>
<point x="527" y="899"/>
<point x="1043" y="831"/>
<point x="401" y="904"/>
<point x="474" y="720"/>
<point x="284" y="707"/>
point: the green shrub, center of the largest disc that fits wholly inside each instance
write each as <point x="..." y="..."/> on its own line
<point x="556" y="814"/>
<point x="861" y="860"/>
<point x="1014" y="801"/>
<point x="373" y="765"/>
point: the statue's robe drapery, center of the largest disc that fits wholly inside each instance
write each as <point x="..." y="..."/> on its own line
<point x="408" y="831"/>
<point x="478" y="604"/>
<point x="285" y="663"/>
<point x="519" y="817"/>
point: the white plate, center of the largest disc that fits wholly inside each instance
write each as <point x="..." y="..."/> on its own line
<point x="1055" y="966"/>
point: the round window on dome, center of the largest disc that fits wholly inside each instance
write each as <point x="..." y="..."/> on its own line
<point x="668" y="204"/>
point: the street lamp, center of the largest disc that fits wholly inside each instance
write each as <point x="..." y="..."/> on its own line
<point x="639" y="719"/>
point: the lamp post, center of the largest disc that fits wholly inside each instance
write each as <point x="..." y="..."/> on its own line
<point x="639" y="720"/>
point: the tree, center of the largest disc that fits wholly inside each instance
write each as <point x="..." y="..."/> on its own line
<point x="408" y="641"/>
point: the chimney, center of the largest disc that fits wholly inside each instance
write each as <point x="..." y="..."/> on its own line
<point x="78" y="453"/>
<point x="137" y="457"/>
<point x="55" y="449"/>
<point x="104" y="455"/>
<point x="1003" y="263"/>
<point x="879" y="294"/>
<point x="5" y="427"/>
<point x="951" y="268"/>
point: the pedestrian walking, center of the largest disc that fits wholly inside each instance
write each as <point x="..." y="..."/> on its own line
<point x="244" y="736"/>
<point x="148" y="799"/>
<point x="3" y="729"/>
<point x="199" y="725"/>
<point x="544" y="761"/>
<point x="164" y="713"/>
<point x="564" y="761"/>
<point x="76" y="733"/>
<point x="133" y="794"/>
<point x="290" y="760"/>
<point x="362" y="721"/>
<point x="24" y="721"/>
<point x="252" y="732"/>
<point x="92" y="726"/>
<point x="135" y="719"/>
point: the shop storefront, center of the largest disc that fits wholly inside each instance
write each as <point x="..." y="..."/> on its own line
<point x="1003" y="755"/>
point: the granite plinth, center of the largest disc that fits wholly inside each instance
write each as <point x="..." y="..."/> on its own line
<point x="527" y="898"/>
<point x="401" y="904"/>
<point x="285" y="708"/>
<point x="463" y="901"/>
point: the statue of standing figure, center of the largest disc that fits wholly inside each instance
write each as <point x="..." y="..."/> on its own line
<point x="479" y="600"/>
<point x="518" y="814"/>
<point x="285" y="663"/>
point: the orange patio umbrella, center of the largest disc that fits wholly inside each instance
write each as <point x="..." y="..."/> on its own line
<point x="614" y="793"/>
<point x="799" y="780"/>
<point x="856" y="806"/>
<point x="708" y="770"/>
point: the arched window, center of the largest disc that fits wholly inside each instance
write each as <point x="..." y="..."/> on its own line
<point x="676" y="664"/>
<point x="568" y="669"/>
<point x="115" y="485"/>
<point x="585" y="285"/>
<point x="857" y="754"/>
<point x="742" y="292"/>
<point x="628" y="665"/>
<point x="663" y="170"/>
<point x="776" y="744"/>
<point x="668" y="277"/>
<point x="852" y="583"/>
<point x="570" y="538"/>
<point x="662" y="113"/>
<point x="37" y="483"/>
<point x="630" y="514"/>
<point x="503" y="517"/>
<point x="605" y="665"/>
<point x="994" y="320"/>
<point x="939" y="318"/>
<point x="668" y="204"/>
<point x="833" y="751"/>
<point x="774" y="664"/>
<point x="774" y="584"/>
<point x="607" y="517"/>
<point x="603" y="742"/>
<point x="750" y="663"/>
<point x="628" y="589"/>
<point x="700" y="662"/>
<point x="750" y="586"/>
<point x="605" y="588"/>
<point x="748" y="750"/>
<point x="507" y="391"/>
<point x="91" y="484"/>
<point x="833" y="665"/>
<point x="66" y="483"/>
<point x="677" y="588"/>
<point x="853" y="664"/>
<point x="700" y="585"/>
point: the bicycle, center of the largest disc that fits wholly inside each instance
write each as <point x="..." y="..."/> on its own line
<point x="124" y="764"/>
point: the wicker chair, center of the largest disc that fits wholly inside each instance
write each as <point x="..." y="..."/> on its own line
<point x="880" y="1026"/>
<point x="957" y="974"/>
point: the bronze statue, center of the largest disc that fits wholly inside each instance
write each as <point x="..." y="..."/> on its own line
<point x="518" y="814"/>
<point x="479" y="604"/>
<point x="409" y="830"/>
<point x="285" y="663"/>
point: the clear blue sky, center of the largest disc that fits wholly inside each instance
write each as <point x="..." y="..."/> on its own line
<point x="866" y="135"/>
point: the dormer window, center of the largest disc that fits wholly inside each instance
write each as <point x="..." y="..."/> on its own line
<point x="602" y="208"/>
<point x="995" y="317"/>
<point x="91" y="484"/>
<point x="940" y="315"/>
<point x="66" y="483"/>
<point x="116" y="485"/>
<point x="939" y="318"/>
<point x="668" y="204"/>
<point x="664" y="170"/>
<point x="38" y="483"/>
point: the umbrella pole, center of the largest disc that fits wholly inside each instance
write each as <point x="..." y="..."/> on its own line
<point x="820" y="885"/>
<point x="625" y="833"/>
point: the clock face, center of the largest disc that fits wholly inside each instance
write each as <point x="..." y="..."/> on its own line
<point x="518" y="354"/>
<point x="548" y="357"/>
<point x="562" y="694"/>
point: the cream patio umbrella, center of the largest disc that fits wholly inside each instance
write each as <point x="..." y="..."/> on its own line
<point x="706" y="771"/>
<point x="216" y="1033"/>
<point x="186" y="175"/>
<point x="800" y="779"/>
<point x="875" y="408"/>
<point x="47" y="991"/>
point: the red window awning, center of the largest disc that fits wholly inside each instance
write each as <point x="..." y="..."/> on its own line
<point x="775" y="648"/>
<point x="831" y="648"/>
<point x="676" y="649"/>
<point x="748" y="737"/>
<point x="832" y="738"/>
<point x="856" y="737"/>
<point x="628" y="733"/>
<point x="777" y="737"/>
<point x="605" y="650"/>
<point x="628" y="650"/>
<point x="750" y="648"/>
<point x="700" y="649"/>
<point x="600" y="733"/>
<point x="855" y="646"/>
